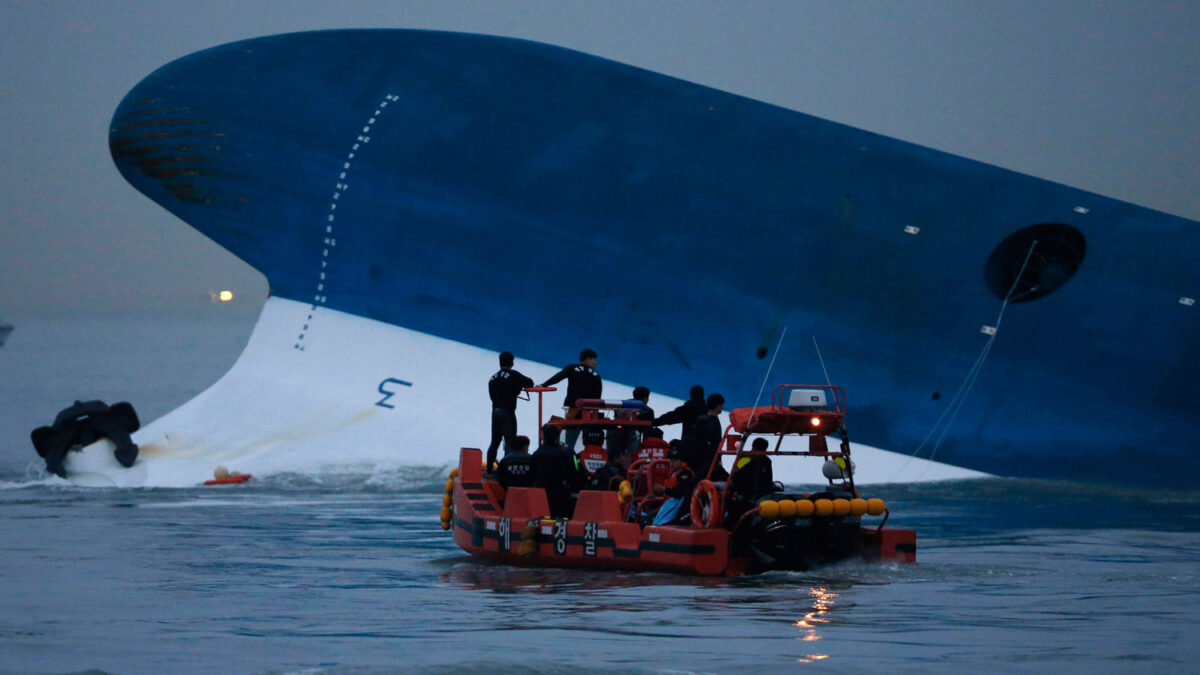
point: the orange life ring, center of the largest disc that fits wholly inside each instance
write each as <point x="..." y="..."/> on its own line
<point x="705" y="498"/>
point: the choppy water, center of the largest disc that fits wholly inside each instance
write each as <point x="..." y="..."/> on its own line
<point x="351" y="572"/>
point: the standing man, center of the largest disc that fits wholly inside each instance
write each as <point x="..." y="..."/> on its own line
<point x="687" y="413"/>
<point x="706" y="438"/>
<point x="504" y="387"/>
<point x="582" y="382"/>
<point x="557" y="471"/>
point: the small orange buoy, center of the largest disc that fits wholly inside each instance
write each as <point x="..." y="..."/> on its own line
<point x="231" y="479"/>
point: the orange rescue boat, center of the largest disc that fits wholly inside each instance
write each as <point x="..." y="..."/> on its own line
<point x="729" y="534"/>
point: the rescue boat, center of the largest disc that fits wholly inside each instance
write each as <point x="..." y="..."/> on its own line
<point x="729" y="533"/>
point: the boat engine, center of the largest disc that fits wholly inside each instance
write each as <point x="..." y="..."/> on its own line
<point x="791" y="538"/>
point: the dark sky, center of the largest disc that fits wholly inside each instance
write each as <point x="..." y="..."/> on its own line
<point x="1101" y="95"/>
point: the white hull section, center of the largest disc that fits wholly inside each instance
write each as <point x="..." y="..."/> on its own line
<point x="368" y="396"/>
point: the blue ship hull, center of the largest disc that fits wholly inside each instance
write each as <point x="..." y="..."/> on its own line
<point x="519" y="196"/>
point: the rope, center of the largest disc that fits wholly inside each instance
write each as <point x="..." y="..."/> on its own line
<point x="754" y="411"/>
<point x="968" y="383"/>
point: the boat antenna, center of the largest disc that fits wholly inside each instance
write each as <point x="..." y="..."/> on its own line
<point x="754" y="411"/>
<point x="822" y="360"/>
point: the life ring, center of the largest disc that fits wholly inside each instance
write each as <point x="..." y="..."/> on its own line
<point x="706" y="505"/>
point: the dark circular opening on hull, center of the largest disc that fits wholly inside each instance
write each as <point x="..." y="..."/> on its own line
<point x="761" y="353"/>
<point x="1054" y="252"/>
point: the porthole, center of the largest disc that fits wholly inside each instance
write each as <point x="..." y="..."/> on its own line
<point x="1034" y="262"/>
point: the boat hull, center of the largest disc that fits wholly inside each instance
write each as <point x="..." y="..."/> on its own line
<point x="513" y="527"/>
<point x="460" y="185"/>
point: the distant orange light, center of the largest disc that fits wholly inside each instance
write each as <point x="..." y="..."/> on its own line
<point x="816" y="421"/>
<point x="225" y="296"/>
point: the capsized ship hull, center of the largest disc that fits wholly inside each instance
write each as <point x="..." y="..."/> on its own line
<point x="511" y="195"/>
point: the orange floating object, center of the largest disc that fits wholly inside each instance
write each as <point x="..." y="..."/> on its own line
<point x="229" y="480"/>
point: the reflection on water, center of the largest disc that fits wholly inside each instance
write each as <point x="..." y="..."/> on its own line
<point x="822" y="604"/>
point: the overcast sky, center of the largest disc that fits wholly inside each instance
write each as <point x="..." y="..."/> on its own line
<point x="1102" y="95"/>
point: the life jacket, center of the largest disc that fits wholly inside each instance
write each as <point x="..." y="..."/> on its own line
<point x="673" y="479"/>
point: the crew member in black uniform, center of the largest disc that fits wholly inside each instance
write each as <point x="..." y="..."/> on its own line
<point x="705" y="439"/>
<point x="557" y="471"/>
<point x="582" y="382"/>
<point x="686" y="413"/>
<point x="504" y="387"/>
<point x="516" y="469"/>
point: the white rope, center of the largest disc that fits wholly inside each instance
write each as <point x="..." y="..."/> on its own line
<point x="968" y="383"/>
<point x="754" y="411"/>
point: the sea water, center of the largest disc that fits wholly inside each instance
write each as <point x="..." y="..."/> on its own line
<point x="350" y="571"/>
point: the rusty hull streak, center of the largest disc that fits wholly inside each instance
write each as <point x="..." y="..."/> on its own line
<point x="155" y="111"/>
<point x="128" y="140"/>
<point x="160" y="161"/>
<point x="187" y="192"/>
<point x="167" y="122"/>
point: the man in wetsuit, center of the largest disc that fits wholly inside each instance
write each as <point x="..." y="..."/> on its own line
<point x="705" y="439"/>
<point x="686" y="413"/>
<point x="752" y="478"/>
<point x="557" y="471"/>
<point x="504" y="387"/>
<point x="516" y="469"/>
<point x="582" y="382"/>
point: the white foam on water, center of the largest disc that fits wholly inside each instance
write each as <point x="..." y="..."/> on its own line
<point x="366" y="397"/>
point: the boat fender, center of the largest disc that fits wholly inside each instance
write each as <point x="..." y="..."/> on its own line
<point x="858" y="506"/>
<point x="529" y="539"/>
<point x="841" y="507"/>
<point x="448" y="501"/>
<point x="624" y="493"/>
<point x="823" y="507"/>
<point x="804" y="508"/>
<point x="787" y="508"/>
<point x="876" y="507"/>
<point x="768" y="508"/>
<point x="706" y="505"/>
